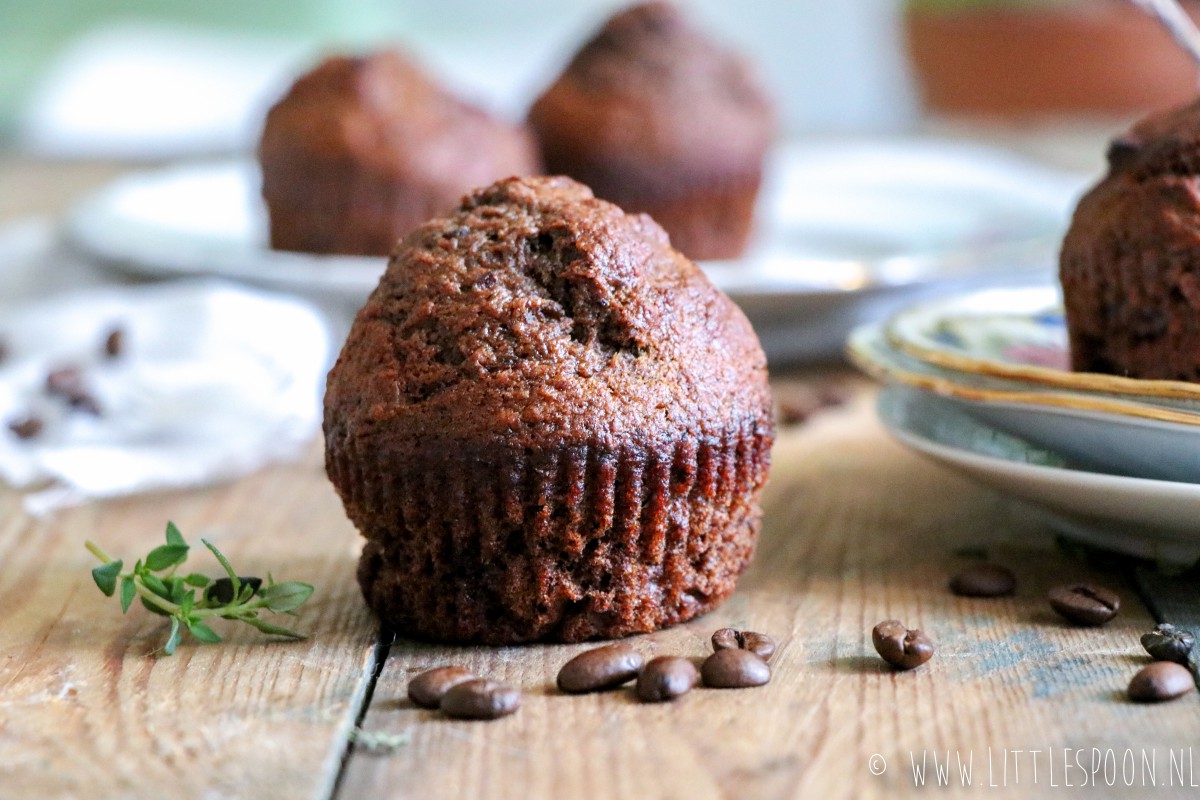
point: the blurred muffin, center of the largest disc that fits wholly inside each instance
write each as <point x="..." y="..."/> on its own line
<point x="1130" y="262"/>
<point x="656" y="118"/>
<point x="548" y="425"/>
<point x="362" y="150"/>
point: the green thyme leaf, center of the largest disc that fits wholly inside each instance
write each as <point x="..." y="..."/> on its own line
<point x="174" y="537"/>
<point x="202" y="631"/>
<point x="197" y="580"/>
<point x="286" y="596"/>
<point x="105" y="576"/>
<point x="153" y="609"/>
<point x="156" y="585"/>
<point x="173" y="638"/>
<point x="166" y="555"/>
<point x="275" y="630"/>
<point x="128" y="592"/>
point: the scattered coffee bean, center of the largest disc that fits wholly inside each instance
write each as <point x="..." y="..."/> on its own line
<point x="1168" y="643"/>
<point x="67" y="383"/>
<point x="603" y="668"/>
<point x="665" y="678"/>
<point x="480" y="698"/>
<point x="26" y="427"/>
<point x="221" y="589"/>
<point x="899" y="646"/>
<point x="984" y="580"/>
<point x="734" y="669"/>
<point x="1162" y="680"/>
<point x="760" y="644"/>
<point x="1084" y="604"/>
<point x="114" y="342"/>
<point x="428" y="688"/>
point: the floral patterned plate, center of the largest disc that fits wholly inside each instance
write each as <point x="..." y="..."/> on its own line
<point x="1016" y="333"/>
<point x="1115" y="432"/>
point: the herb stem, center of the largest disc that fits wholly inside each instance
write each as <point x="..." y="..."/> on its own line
<point x="95" y="550"/>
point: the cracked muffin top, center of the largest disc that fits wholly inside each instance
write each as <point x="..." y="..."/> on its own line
<point x="537" y="315"/>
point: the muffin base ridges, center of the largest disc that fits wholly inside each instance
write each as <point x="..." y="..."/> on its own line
<point x="503" y="545"/>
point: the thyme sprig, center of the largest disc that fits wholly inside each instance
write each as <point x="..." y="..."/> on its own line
<point x="191" y="600"/>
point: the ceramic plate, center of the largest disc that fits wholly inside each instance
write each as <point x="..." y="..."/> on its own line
<point x="846" y="232"/>
<point x="1109" y="432"/>
<point x="1142" y="517"/>
<point x="1015" y="333"/>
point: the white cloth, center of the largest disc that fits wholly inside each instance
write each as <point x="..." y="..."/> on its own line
<point x="212" y="381"/>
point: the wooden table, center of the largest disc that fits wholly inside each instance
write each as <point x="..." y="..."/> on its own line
<point x="857" y="530"/>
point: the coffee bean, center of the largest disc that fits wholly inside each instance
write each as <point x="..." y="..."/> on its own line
<point x="67" y="383"/>
<point x="1162" y="680"/>
<point x="603" y="668"/>
<point x="1168" y="643"/>
<point x="480" y="698"/>
<point x="113" y="342"/>
<point x="899" y="646"/>
<point x="26" y="427"/>
<point x="1084" y="604"/>
<point x="428" y="688"/>
<point x="665" y="678"/>
<point x="734" y="669"/>
<point x="984" y="580"/>
<point x="760" y="644"/>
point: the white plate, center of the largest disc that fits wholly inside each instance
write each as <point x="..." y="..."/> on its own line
<point x="1132" y="434"/>
<point x="843" y="229"/>
<point x="1139" y="516"/>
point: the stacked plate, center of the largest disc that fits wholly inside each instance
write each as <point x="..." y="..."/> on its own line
<point x="981" y="382"/>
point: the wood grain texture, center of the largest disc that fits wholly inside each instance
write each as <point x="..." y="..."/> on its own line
<point x="857" y="531"/>
<point x="88" y="708"/>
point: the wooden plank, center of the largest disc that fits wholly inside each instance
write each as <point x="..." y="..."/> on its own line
<point x="89" y="709"/>
<point x="857" y="530"/>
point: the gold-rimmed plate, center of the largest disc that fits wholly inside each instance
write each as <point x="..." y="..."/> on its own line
<point x="1111" y="432"/>
<point x="1017" y="333"/>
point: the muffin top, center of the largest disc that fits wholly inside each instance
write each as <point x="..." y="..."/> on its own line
<point x="651" y="90"/>
<point x="1149" y="198"/>
<point x="536" y="315"/>
<point x="383" y="113"/>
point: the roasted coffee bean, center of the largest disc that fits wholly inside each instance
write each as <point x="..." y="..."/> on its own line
<point x="665" y="678"/>
<point x="603" y="668"/>
<point x="984" y="580"/>
<point x="428" y="688"/>
<point x="760" y="644"/>
<point x="114" y="343"/>
<point x="221" y="590"/>
<point x="1162" y="680"/>
<point x="1084" y="604"/>
<point x="480" y="698"/>
<point x="734" y="669"/>
<point x="26" y="427"/>
<point x="899" y="646"/>
<point x="67" y="383"/>
<point x="1168" y="643"/>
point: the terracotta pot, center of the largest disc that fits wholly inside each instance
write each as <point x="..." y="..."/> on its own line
<point x="1089" y="57"/>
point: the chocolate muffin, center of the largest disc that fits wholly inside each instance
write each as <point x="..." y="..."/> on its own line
<point x="1130" y="262"/>
<point x="547" y="424"/>
<point x="362" y="150"/>
<point x="656" y="118"/>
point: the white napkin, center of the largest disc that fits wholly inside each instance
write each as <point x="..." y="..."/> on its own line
<point x="210" y="382"/>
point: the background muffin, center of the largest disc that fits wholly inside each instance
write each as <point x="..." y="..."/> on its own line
<point x="548" y="424"/>
<point x="1130" y="262"/>
<point x="362" y="150"/>
<point x="655" y="117"/>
